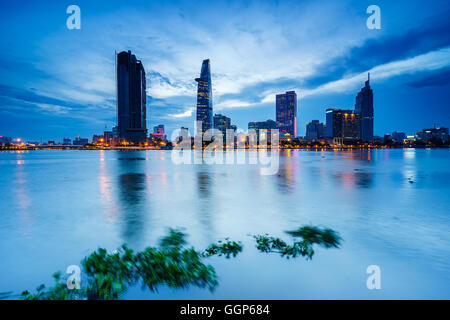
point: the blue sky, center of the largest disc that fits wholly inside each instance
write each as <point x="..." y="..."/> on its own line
<point x="59" y="83"/>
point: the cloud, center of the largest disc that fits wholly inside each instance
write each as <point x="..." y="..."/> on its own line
<point x="185" y="114"/>
<point x="54" y="108"/>
<point x="428" y="35"/>
<point x="229" y="104"/>
<point x="434" y="60"/>
<point x="435" y="78"/>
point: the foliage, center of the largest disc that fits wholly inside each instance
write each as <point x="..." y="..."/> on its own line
<point x="310" y="235"/>
<point x="108" y="275"/>
<point x="228" y="248"/>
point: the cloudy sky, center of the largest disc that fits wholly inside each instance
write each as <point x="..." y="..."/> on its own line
<point x="59" y="83"/>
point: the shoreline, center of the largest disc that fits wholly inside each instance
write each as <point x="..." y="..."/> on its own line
<point x="322" y="148"/>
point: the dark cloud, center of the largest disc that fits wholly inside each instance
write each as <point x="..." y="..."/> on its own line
<point x="427" y="36"/>
<point x="29" y="96"/>
<point x="439" y="78"/>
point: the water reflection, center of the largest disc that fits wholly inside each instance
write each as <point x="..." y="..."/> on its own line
<point x="288" y="172"/>
<point x="22" y="195"/>
<point x="204" y="184"/>
<point x="108" y="200"/>
<point x="349" y="180"/>
<point x="206" y="205"/>
<point x="132" y="193"/>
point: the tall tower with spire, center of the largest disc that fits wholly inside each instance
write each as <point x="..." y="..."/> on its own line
<point x="204" y="98"/>
<point x="364" y="107"/>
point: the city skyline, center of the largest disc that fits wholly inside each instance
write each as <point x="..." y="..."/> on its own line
<point x="69" y="86"/>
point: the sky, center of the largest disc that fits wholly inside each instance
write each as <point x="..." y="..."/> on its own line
<point x="57" y="82"/>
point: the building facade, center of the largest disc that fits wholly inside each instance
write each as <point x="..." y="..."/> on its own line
<point x="131" y="99"/>
<point x="262" y="125"/>
<point x="364" y="109"/>
<point x="315" y="130"/>
<point x="80" y="141"/>
<point x="221" y="123"/>
<point x="204" y="98"/>
<point x="426" y="135"/>
<point x="398" y="136"/>
<point x="286" y="113"/>
<point x="342" y="124"/>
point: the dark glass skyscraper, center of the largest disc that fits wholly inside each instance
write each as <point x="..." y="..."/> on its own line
<point x="222" y="123"/>
<point x="364" y="108"/>
<point x="342" y="124"/>
<point x="131" y="98"/>
<point x="286" y="113"/>
<point x="315" y="130"/>
<point x="204" y="98"/>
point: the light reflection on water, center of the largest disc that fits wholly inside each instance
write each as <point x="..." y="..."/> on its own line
<point x="390" y="206"/>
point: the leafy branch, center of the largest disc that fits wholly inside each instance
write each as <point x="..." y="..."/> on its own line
<point x="310" y="235"/>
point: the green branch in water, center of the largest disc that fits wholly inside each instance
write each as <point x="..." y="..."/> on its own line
<point x="171" y="264"/>
<point x="228" y="248"/>
<point x="109" y="274"/>
<point x="310" y="235"/>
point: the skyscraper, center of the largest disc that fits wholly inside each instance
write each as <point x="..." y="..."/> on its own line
<point x="131" y="98"/>
<point x="222" y="123"/>
<point x="158" y="129"/>
<point x="204" y="98"/>
<point x="342" y="124"/>
<point x="315" y="130"/>
<point x="262" y="125"/>
<point x="364" y="108"/>
<point x="286" y="113"/>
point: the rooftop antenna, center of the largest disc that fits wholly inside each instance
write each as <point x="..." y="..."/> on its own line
<point x="368" y="77"/>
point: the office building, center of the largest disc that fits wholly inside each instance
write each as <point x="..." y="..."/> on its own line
<point x="342" y="124"/>
<point x="80" y="141"/>
<point x="398" y="137"/>
<point x="315" y="130"/>
<point x="364" y="109"/>
<point x="427" y="135"/>
<point x="204" y="98"/>
<point x="222" y="123"/>
<point x="131" y="99"/>
<point x="286" y="113"/>
<point x="262" y="125"/>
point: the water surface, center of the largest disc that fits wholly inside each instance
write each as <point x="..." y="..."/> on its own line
<point x="390" y="206"/>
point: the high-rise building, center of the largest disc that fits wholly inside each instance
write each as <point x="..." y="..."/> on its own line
<point x="364" y="108"/>
<point x="98" y="138"/>
<point x="108" y="137"/>
<point x="158" y="129"/>
<point x="222" y="123"/>
<point x="262" y="125"/>
<point x="398" y="137"/>
<point x="257" y="125"/>
<point x="342" y="124"/>
<point x="80" y="141"/>
<point x="131" y="98"/>
<point x="67" y="141"/>
<point x="286" y="113"/>
<point x="433" y="134"/>
<point x="315" y="130"/>
<point x="204" y="98"/>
